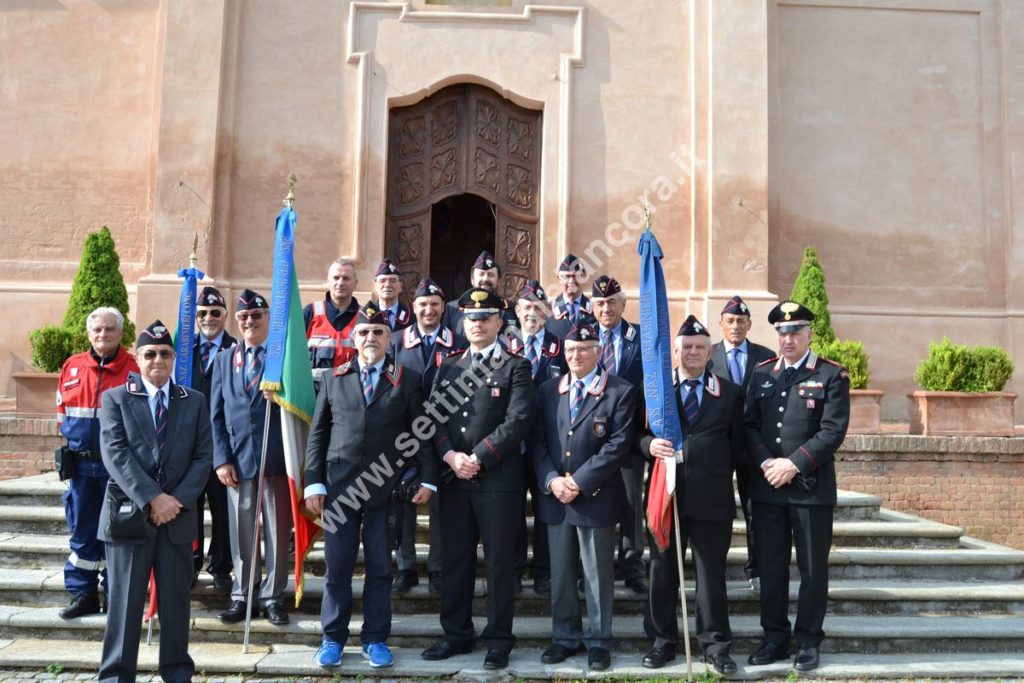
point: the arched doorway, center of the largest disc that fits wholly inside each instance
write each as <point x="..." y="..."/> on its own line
<point x="453" y="158"/>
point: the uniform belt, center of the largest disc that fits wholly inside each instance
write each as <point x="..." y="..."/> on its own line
<point x="88" y="455"/>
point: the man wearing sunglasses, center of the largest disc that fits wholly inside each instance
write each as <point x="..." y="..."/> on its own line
<point x="238" y="410"/>
<point x="211" y="316"/>
<point x="387" y="285"/>
<point x="360" y="444"/>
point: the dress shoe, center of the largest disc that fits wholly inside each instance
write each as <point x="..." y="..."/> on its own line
<point x="722" y="662"/>
<point x="658" y="657"/>
<point x="275" y="613"/>
<point x="768" y="653"/>
<point x="806" y="659"/>
<point x="404" y="581"/>
<point x="443" y="650"/>
<point x="236" y="612"/>
<point x="542" y="585"/>
<point x="638" y="584"/>
<point x="556" y="654"/>
<point x="80" y="606"/>
<point x="434" y="584"/>
<point x="755" y="584"/>
<point x="496" y="659"/>
<point x="222" y="583"/>
<point x="599" y="659"/>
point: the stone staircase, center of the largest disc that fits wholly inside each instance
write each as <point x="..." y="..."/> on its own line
<point x="908" y="598"/>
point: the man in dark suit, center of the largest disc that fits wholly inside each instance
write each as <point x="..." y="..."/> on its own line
<point x="360" y="443"/>
<point x="485" y="274"/>
<point x="582" y="436"/>
<point x="572" y="303"/>
<point x="543" y="349"/>
<point x="798" y="409"/>
<point x="238" y="411"/>
<point x="483" y="400"/>
<point x="211" y="316"/>
<point x="156" y="445"/>
<point x="711" y="412"/>
<point x="620" y="356"/>
<point x="387" y="285"/>
<point x="734" y="358"/>
<point x="421" y="347"/>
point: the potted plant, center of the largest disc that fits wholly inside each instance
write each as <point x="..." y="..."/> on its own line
<point x="865" y="404"/>
<point x="98" y="282"/>
<point x="962" y="392"/>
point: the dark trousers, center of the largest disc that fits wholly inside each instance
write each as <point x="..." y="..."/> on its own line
<point x="130" y="564"/>
<point x="82" y="502"/>
<point x="631" y="528"/>
<point x="747" y="505"/>
<point x="778" y="529"/>
<point x="405" y="555"/>
<point x="216" y="496"/>
<point x="540" y="563"/>
<point x="709" y="542"/>
<point x="340" y="550"/>
<point x="466" y="519"/>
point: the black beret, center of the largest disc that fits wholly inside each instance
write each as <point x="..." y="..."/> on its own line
<point x="584" y="330"/>
<point x="692" y="327"/>
<point x="570" y="264"/>
<point x="156" y="334"/>
<point x="532" y="291"/>
<point x="386" y="267"/>
<point x="428" y="287"/>
<point x="211" y="296"/>
<point x="249" y="300"/>
<point x="485" y="261"/>
<point x="605" y="286"/>
<point x="371" y="314"/>
<point x="736" y="306"/>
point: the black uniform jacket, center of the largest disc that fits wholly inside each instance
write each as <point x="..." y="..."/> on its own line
<point x="805" y="420"/>
<point x="407" y="350"/>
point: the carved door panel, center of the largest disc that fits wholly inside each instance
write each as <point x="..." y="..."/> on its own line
<point x="465" y="138"/>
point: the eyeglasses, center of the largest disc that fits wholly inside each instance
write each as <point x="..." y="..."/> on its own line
<point x="242" y="316"/>
<point x="166" y="354"/>
<point x="213" y="313"/>
<point x="376" y="332"/>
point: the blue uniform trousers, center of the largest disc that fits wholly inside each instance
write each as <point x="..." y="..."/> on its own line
<point x="84" y="569"/>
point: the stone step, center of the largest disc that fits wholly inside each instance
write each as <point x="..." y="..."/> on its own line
<point x="853" y="634"/>
<point x="38" y="587"/>
<point x="295" y="662"/>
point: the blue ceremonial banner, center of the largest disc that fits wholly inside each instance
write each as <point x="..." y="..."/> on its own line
<point x="280" y="298"/>
<point x="186" y="327"/>
<point x="659" y="394"/>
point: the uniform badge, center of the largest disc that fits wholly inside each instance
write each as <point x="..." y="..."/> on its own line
<point x="600" y="427"/>
<point x="495" y="392"/>
<point x="74" y="372"/>
<point x="810" y="404"/>
<point x="766" y="385"/>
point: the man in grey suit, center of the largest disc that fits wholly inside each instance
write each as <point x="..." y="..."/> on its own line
<point x="162" y="478"/>
<point x="582" y="437"/>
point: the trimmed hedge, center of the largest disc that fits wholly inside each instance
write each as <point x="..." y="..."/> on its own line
<point x="850" y="354"/>
<point x="809" y="290"/>
<point x="958" y="367"/>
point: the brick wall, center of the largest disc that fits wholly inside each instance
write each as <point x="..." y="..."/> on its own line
<point x="972" y="482"/>
<point x="26" y="445"/>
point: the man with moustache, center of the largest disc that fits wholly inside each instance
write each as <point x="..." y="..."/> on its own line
<point x="734" y="358"/>
<point x="572" y="303"/>
<point x="620" y="356"/>
<point x="797" y="414"/>
<point x="485" y="275"/>
<point x="83" y="380"/>
<point x="488" y="397"/>
<point x="387" y="285"/>
<point x="363" y="418"/>
<point x="712" y="421"/>
<point x="329" y="322"/>
<point x="156" y="445"/>
<point x="422" y="347"/>
<point x="543" y="349"/>
<point x="582" y="437"/>
<point x="211" y="316"/>
<point x="238" y="411"/>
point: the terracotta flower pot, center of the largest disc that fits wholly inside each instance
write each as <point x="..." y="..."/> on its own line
<point x="36" y="393"/>
<point x="952" y="413"/>
<point x="865" y="411"/>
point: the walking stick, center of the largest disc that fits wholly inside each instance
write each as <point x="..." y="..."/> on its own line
<point x="682" y="592"/>
<point x="256" y="528"/>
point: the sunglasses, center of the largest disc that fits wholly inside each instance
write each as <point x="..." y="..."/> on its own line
<point x="251" y="315"/>
<point x="166" y="354"/>
<point x="376" y="332"/>
<point x="213" y="313"/>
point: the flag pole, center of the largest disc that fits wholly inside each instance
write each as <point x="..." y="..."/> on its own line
<point x="682" y="590"/>
<point x="289" y="200"/>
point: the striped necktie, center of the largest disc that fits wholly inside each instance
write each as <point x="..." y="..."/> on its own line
<point x="531" y="355"/>
<point x="367" y="375"/>
<point x="254" y="371"/>
<point x="577" y="400"/>
<point x="204" y="359"/>
<point x="735" y="370"/>
<point x="691" y="405"/>
<point x="608" y="352"/>
<point x="160" y="419"/>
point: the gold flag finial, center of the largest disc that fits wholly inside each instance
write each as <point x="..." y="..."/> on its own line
<point x="647" y="213"/>
<point x="193" y="258"/>
<point x="289" y="200"/>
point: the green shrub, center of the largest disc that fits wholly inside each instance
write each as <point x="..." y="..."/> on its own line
<point x="809" y="290"/>
<point x="958" y="367"/>
<point x="51" y="346"/>
<point x="850" y="354"/>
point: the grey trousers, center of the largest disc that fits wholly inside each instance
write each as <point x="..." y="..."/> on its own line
<point x="594" y="547"/>
<point x="277" y="528"/>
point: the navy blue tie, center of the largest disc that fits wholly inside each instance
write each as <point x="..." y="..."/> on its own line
<point x="691" y="405"/>
<point x="160" y="420"/>
<point x="577" y="401"/>
<point x="204" y="360"/>
<point x="426" y="348"/>
<point x="531" y="355"/>
<point x="367" y="375"/>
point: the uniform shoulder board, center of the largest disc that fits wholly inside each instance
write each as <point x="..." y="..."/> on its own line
<point x="767" y="362"/>
<point x="342" y="369"/>
<point x="394" y="373"/>
<point x="832" y="362"/>
<point x="455" y="355"/>
<point x="182" y="391"/>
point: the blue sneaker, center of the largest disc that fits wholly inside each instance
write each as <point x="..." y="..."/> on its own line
<point x="378" y="654"/>
<point x="329" y="653"/>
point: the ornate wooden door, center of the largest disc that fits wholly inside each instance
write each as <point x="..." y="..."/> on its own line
<point x="465" y="138"/>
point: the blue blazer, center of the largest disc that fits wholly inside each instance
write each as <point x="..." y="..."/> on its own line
<point x="237" y="420"/>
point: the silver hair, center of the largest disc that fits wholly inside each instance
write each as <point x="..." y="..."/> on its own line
<point x="104" y="311"/>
